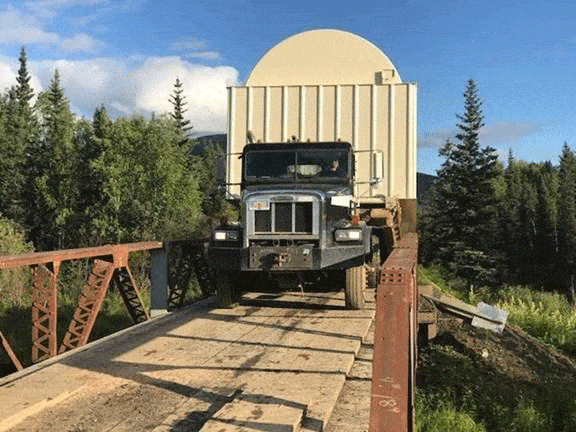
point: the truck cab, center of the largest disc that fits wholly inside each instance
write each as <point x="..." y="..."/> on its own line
<point x="298" y="219"/>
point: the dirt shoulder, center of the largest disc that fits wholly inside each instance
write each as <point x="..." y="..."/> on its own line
<point x="498" y="377"/>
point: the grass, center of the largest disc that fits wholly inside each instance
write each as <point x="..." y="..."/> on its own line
<point x="451" y="399"/>
<point x="444" y="416"/>
<point x="546" y="316"/>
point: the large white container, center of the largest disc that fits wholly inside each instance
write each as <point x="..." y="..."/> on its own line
<point x="330" y="85"/>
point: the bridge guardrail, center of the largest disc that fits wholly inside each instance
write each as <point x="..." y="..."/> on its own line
<point x="395" y="355"/>
<point x="110" y="268"/>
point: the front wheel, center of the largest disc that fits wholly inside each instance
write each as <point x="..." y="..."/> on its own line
<point x="355" y="285"/>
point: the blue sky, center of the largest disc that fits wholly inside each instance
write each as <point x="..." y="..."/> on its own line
<point x="128" y="53"/>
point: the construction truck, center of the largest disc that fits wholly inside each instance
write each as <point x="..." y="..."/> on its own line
<point x="321" y="160"/>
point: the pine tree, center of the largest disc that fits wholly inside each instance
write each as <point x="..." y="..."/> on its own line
<point x="55" y="161"/>
<point x="459" y="224"/>
<point x="567" y="217"/>
<point x="545" y="238"/>
<point x="19" y="131"/>
<point x="177" y="101"/>
<point x="24" y="92"/>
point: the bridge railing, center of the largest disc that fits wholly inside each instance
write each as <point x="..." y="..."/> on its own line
<point x="394" y="362"/>
<point x="109" y="267"/>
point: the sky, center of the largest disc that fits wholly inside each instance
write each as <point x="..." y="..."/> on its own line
<point x="127" y="54"/>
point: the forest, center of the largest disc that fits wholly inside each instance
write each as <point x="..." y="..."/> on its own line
<point x="68" y="182"/>
<point x="493" y="223"/>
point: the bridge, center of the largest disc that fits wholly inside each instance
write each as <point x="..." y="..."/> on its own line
<point x="274" y="362"/>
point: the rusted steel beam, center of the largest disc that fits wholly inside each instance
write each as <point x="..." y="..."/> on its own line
<point x="393" y="371"/>
<point x="37" y="258"/>
<point x="109" y="261"/>
<point x="10" y="353"/>
<point x="89" y="304"/>
<point x="44" y="311"/>
<point x="126" y="284"/>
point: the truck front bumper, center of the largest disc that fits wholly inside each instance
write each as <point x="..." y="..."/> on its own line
<point x="287" y="258"/>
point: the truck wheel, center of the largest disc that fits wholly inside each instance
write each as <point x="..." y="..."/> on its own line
<point x="355" y="284"/>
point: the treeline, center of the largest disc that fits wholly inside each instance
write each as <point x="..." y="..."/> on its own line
<point x="68" y="182"/>
<point x="492" y="224"/>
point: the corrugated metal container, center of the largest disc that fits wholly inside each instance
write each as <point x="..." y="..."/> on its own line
<point x="367" y="106"/>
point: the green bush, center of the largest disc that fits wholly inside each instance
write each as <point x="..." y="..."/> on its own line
<point x="443" y="279"/>
<point x="444" y="418"/>
<point x="14" y="283"/>
<point x="528" y="419"/>
<point x="547" y="316"/>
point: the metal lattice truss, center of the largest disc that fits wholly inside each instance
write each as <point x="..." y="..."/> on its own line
<point x="109" y="268"/>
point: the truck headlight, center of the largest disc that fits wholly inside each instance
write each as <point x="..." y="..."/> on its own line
<point x="226" y="235"/>
<point x="345" y="235"/>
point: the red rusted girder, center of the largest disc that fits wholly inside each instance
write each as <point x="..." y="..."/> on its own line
<point x="44" y="310"/>
<point x="393" y="370"/>
<point x="10" y="353"/>
<point x="74" y="254"/>
<point x="110" y="261"/>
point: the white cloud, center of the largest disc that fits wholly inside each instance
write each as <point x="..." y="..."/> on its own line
<point x="192" y="44"/>
<point x="195" y="48"/>
<point x="204" y="55"/>
<point x="24" y="29"/>
<point x="8" y="71"/>
<point x="50" y="8"/>
<point x="204" y="89"/>
<point x="17" y="28"/>
<point x="504" y="132"/>
<point x="7" y="76"/>
<point x="437" y="138"/>
<point x="81" y="42"/>
<point x="141" y="86"/>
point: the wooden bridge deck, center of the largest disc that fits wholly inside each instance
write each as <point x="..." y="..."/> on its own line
<point x="276" y="362"/>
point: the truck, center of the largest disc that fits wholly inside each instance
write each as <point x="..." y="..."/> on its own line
<point x="321" y="163"/>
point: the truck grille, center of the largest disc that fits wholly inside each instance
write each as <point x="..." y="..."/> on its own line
<point x="284" y="217"/>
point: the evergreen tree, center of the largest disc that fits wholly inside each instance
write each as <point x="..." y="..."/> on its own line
<point x="567" y="217"/>
<point x="24" y="92"/>
<point x="55" y="160"/>
<point x="18" y="133"/>
<point x="459" y="224"/>
<point x="178" y="102"/>
<point x="545" y="238"/>
<point x="208" y="167"/>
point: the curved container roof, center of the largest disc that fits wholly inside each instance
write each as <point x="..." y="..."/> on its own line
<point x="321" y="57"/>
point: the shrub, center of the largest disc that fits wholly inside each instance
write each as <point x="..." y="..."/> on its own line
<point x="445" y="418"/>
<point x="14" y="283"/>
<point x="547" y="316"/>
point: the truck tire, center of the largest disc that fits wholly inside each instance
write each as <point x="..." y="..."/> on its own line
<point x="355" y="285"/>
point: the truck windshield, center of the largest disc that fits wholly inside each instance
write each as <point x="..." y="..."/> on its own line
<point x="290" y="165"/>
